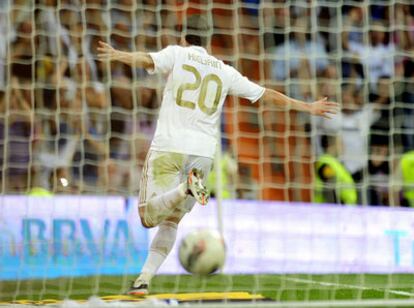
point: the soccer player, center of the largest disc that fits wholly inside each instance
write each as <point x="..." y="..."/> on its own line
<point x="184" y="144"/>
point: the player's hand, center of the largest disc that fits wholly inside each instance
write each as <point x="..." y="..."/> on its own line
<point x="106" y="52"/>
<point x="324" y="108"/>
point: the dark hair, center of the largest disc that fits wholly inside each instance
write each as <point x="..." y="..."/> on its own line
<point x="197" y="40"/>
<point x="196" y="30"/>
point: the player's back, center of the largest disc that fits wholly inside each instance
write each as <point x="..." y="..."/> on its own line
<point x="200" y="83"/>
<point x="197" y="86"/>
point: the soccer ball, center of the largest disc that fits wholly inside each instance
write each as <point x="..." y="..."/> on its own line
<point x="202" y="252"/>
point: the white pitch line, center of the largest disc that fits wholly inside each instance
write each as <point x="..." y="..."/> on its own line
<point x="349" y="286"/>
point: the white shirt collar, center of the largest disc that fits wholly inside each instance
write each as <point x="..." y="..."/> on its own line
<point x="199" y="49"/>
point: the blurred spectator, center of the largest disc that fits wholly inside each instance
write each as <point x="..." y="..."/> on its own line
<point x="90" y="91"/>
<point x="382" y="99"/>
<point x="275" y="19"/>
<point x="55" y="38"/>
<point x="22" y="51"/>
<point x="404" y="26"/>
<point x="247" y="187"/>
<point x="228" y="171"/>
<point x="356" y="119"/>
<point x="54" y="158"/>
<point x="406" y="101"/>
<point x="93" y="124"/>
<point x="352" y="126"/>
<point x="379" y="170"/>
<point x="326" y="87"/>
<point x="59" y="137"/>
<point x="79" y="101"/>
<point x="301" y="58"/>
<point x="17" y="132"/>
<point x="334" y="183"/>
<point x="353" y="23"/>
<point x="387" y="100"/>
<point x="404" y="179"/>
<point x="121" y="75"/>
<point x="353" y="35"/>
<point x="97" y="17"/>
<point x="7" y="33"/>
<point x="377" y="56"/>
<point x="81" y="50"/>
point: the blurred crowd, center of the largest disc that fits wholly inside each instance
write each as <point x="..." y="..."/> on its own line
<point x="72" y="124"/>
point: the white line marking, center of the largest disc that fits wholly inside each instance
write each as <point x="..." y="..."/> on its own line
<point x="349" y="286"/>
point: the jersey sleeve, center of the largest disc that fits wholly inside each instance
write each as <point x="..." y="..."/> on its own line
<point x="163" y="60"/>
<point x="241" y="86"/>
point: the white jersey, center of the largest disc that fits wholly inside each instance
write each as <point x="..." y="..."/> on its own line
<point x="193" y="98"/>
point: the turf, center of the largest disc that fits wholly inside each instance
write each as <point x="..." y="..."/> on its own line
<point x="276" y="287"/>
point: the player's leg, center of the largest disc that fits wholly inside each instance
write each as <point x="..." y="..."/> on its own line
<point x="165" y="237"/>
<point x="158" y="208"/>
<point x="161" y="180"/>
<point x="160" y="247"/>
<point x="160" y="187"/>
<point x="198" y="169"/>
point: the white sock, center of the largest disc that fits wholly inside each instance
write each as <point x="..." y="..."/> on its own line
<point x="161" y="246"/>
<point x="160" y="207"/>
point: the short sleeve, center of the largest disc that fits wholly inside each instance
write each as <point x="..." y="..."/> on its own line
<point x="163" y="60"/>
<point x="241" y="86"/>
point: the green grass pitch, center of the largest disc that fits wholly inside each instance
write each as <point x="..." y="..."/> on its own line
<point x="275" y="287"/>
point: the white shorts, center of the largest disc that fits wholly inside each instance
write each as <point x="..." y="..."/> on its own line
<point x="164" y="171"/>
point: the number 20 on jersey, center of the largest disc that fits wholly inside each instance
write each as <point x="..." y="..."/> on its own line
<point x="202" y="84"/>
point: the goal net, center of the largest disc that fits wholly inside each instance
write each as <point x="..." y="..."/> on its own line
<point x="75" y="133"/>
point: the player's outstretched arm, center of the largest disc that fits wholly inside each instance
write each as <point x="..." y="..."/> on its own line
<point x="322" y="107"/>
<point x="137" y="59"/>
